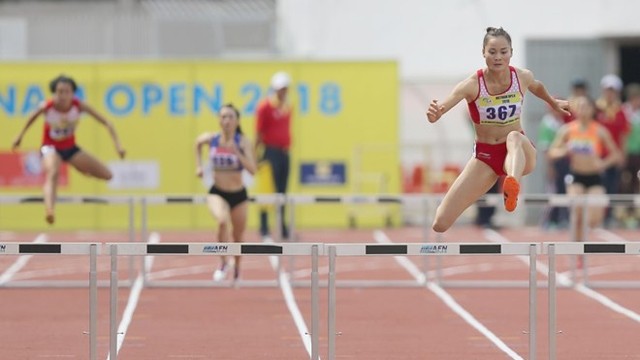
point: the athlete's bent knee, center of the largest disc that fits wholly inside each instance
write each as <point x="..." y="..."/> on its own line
<point x="440" y="226"/>
<point x="515" y="138"/>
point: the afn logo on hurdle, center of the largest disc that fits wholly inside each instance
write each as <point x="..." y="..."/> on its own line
<point x="433" y="249"/>
<point x="3" y="248"/>
<point x="215" y="249"/>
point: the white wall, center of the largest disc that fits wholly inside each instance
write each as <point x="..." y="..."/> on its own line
<point x="439" y="43"/>
<point x="440" y="39"/>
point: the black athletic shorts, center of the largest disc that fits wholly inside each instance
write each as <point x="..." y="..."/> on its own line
<point x="586" y="180"/>
<point x="232" y="198"/>
<point x="65" y="154"/>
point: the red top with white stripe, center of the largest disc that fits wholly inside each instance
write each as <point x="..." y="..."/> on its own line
<point x="60" y="127"/>
<point x="500" y="109"/>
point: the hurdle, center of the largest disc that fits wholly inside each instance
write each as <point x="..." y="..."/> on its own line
<point x="552" y="250"/>
<point x="146" y="201"/>
<point x="86" y="249"/>
<point x="333" y="251"/>
<point x="430" y="202"/>
<point x="215" y="249"/>
<point x="129" y="201"/>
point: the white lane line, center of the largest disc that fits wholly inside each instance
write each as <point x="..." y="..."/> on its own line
<point x="192" y="270"/>
<point x="21" y="262"/>
<point x="381" y="237"/>
<point x="431" y="274"/>
<point x="566" y="281"/>
<point x="43" y="273"/>
<point x="609" y="236"/>
<point x="134" y="297"/>
<point x="292" y="305"/>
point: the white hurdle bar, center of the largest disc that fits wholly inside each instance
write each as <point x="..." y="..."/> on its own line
<point x="432" y="249"/>
<point x="554" y="249"/>
<point x="428" y="201"/>
<point x="90" y="249"/>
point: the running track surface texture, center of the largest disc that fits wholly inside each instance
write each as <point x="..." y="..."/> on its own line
<point x="430" y="322"/>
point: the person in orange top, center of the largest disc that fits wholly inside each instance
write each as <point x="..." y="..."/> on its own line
<point x="273" y="136"/>
<point x="61" y="117"/>
<point x="494" y="97"/>
<point x="584" y="141"/>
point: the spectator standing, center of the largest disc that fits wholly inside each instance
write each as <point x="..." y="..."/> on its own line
<point x="273" y="140"/>
<point x="611" y="115"/>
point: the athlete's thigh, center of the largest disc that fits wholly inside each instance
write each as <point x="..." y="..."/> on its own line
<point x="474" y="181"/>
<point x="88" y="164"/>
<point x="529" y="155"/>
<point x="51" y="162"/>
<point x="218" y="208"/>
<point x="576" y="189"/>
<point x="239" y="216"/>
<point x="596" y="213"/>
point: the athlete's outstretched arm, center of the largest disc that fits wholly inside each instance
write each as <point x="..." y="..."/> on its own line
<point x="32" y="118"/>
<point x="101" y="119"/>
<point x="201" y="140"/>
<point x="614" y="155"/>
<point x="538" y="89"/>
<point x="246" y="156"/>
<point x="459" y="92"/>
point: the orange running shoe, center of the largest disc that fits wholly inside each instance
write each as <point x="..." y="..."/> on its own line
<point x="511" y="189"/>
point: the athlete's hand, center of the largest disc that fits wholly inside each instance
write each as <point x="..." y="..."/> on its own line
<point x="562" y="106"/>
<point x="121" y="152"/>
<point x="199" y="171"/>
<point x="435" y="111"/>
<point x="16" y="143"/>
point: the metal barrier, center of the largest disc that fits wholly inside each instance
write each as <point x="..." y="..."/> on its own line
<point x="216" y="249"/>
<point x="431" y="249"/>
<point x="428" y="201"/>
<point x="554" y="249"/>
<point x="87" y="249"/>
<point x="332" y="251"/>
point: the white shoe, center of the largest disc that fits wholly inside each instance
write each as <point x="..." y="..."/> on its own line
<point x="219" y="275"/>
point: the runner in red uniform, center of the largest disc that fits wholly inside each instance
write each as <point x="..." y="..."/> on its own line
<point x="494" y="96"/>
<point x="62" y="114"/>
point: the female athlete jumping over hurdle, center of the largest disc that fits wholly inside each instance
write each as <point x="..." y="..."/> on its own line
<point x="229" y="152"/>
<point x="62" y="115"/>
<point x="584" y="141"/>
<point x="494" y="96"/>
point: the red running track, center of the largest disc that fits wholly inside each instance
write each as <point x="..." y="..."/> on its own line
<point x="374" y="323"/>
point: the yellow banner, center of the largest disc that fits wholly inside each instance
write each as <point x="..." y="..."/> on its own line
<point x="345" y="134"/>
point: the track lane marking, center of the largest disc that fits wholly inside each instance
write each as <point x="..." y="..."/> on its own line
<point x="21" y="262"/>
<point x="134" y="297"/>
<point x="566" y="281"/>
<point x="292" y="305"/>
<point x="408" y="265"/>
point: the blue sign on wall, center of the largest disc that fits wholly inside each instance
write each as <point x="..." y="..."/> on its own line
<point x="323" y="173"/>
